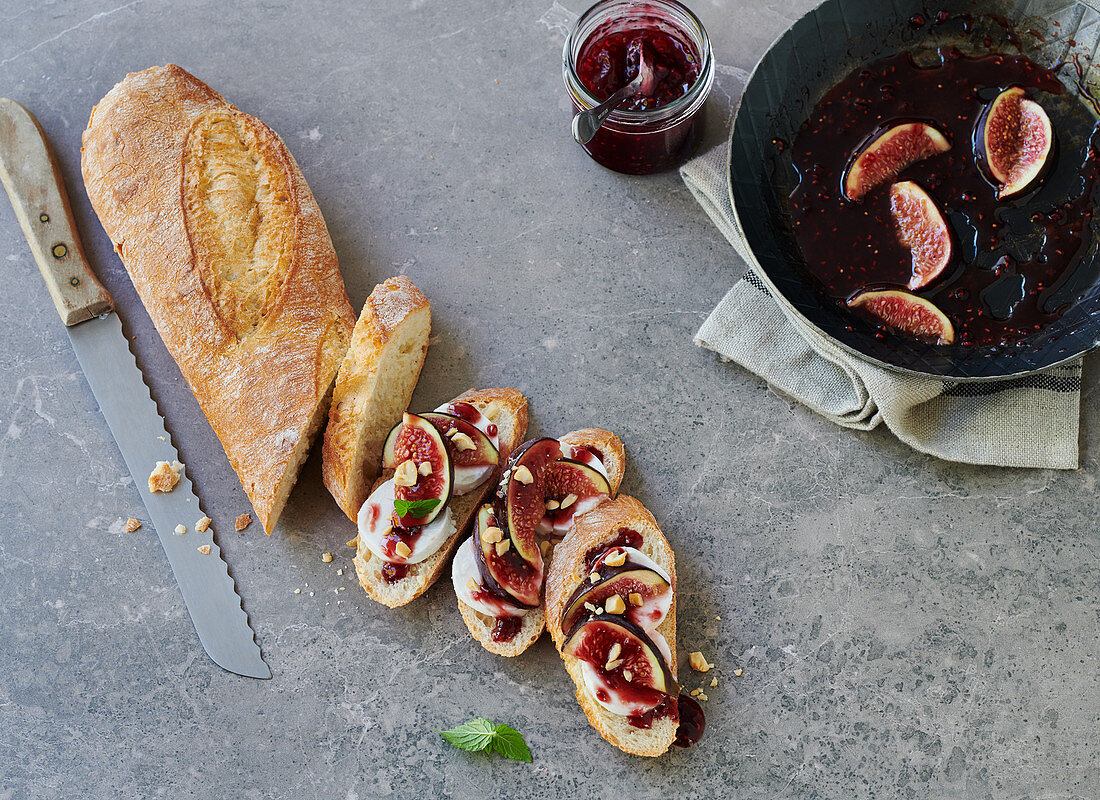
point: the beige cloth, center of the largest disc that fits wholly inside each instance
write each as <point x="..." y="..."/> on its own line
<point x="1031" y="421"/>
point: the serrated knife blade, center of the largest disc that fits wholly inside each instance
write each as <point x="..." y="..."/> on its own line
<point x="33" y="181"/>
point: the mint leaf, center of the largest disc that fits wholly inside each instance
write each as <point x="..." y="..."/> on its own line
<point x="473" y="736"/>
<point x="417" y="509"/>
<point x="509" y="743"/>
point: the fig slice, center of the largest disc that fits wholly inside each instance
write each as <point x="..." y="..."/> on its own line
<point x="888" y="153"/>
<point x="594" y="644"/>
<point x="647" y="585"/>
<point x="521" y="497"/>
<point x="1015" y="140"/>
<point x="483" y="453"/>
<point x="504" y="572"/>
<point x="921" y="228"/>
<point x="567" y="478"/>
<point x="907" y="313"/>
<point x="416" y="439"/>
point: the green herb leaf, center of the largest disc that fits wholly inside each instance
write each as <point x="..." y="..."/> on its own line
<point x="417" y="509"/>
<point x="509" y="743"/>
<point x="473" y="736"/>
<point x="480" y="735"/>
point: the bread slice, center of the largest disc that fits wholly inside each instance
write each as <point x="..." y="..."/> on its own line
<point x="613" y="456"/>
<point x="599" y="526"/>
<point x="230" y="255"/>
<point x="507" y="409"/>
<point x="373" y="388"/>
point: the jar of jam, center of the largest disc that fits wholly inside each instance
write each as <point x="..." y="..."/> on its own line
<point x="654" y="131"/>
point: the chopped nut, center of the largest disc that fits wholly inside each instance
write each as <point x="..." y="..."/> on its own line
<point x="611" y="666"/>
<point x="340" y="571"/>
<point x="614" y="652"/>
<point x="463" y="442"/>
<point x="471" y="584"/>
<point x="523" y="475"/>
<point x="204" y="549"/>
<point x="599" y="610"/>
<point x="616" y="559"/>
<point x="405" y="474"/>
<point x="180" y="530"/>
<point x="714" y="681"/>
<point x="590" y="607"/>
<point x="696" y="692"/>
<point x="718" y="618"/>
<point x="594" y="577"/>
<point x="132" y="525"/>
<point x="569" y="500"/>
<point x="243" y="521"/>
<point x="699" y="663"/>
<point x="297" y="591"/>
<point x="425" y="468"/>
<point x="635" y="599"/>
<point x="702" y="697"/>
<point x="552" y="505"/>
<point x="165" y="476"/>
<point x="203" y="525"/>
<point x="544" y="547"/>
<point x="326" y="557"/>
<point x="492" y="534"/>
<point x="502" y="547"/>
<point x="737" y="673"/>
<point x="615" y="605"/>
<point x="403" y="549"/>
<point x="352" y="542"/>
<point x="628" y="676"/>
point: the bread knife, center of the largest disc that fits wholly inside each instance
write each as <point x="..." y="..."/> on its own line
<point x="31" y="176"/>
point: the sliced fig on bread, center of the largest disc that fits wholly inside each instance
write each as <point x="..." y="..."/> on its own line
<point x="423" y="474"/>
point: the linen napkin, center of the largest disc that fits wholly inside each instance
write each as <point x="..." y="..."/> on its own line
<point x="1031" y="421"/>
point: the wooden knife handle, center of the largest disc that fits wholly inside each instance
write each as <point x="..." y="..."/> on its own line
<point x="33" y="180"/>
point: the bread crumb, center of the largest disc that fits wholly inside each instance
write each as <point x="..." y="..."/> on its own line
<point x="738" y="672"/>
<point x="204" y="549"/>
<point x="203" y="524"/>
<point x="699" y="663"/>
<point x="326" y="557"/>
<point x="164" y="476"/>
<point x="180" y="530"/>
<point x="243" y="521"/>
<point x="132" y="525"/>
<point x="714" y="681"/>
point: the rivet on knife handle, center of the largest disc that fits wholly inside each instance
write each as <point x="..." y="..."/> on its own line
<point x="42" y="208"/>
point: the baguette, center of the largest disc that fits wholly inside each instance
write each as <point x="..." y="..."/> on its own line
<point x="230" y="255"/>
<point x="373" y="388"/>
<point x="568" y="570"/>
<point x="533" y="623"/>
<point x="507" y="409"/>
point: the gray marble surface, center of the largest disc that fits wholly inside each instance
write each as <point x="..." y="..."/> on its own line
<point x="905" y="627"/>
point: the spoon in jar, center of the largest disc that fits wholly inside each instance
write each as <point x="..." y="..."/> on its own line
<point x="587" y="122"/>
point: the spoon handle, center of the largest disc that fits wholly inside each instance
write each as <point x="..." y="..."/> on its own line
<point x="587" y="122"/>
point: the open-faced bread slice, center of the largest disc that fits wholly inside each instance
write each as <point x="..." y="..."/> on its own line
<point x="609" y="449"/>
<point x="373" y="388"/>
<point x="594" y="530"/>
<point x="505" y="408"/>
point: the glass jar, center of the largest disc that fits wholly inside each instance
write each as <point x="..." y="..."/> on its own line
<point x="640" y="142"/>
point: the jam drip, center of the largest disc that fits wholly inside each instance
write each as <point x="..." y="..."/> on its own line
<point x="505" y="629"/>
<point x="692" y="722"/>
<point x="609" y="60"/>
<point x="1019" y="263"/>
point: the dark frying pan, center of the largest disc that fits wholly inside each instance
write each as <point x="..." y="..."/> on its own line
<point x="811" y="57"/>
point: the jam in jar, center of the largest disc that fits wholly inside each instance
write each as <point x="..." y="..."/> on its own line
<point x="654" y="130"/>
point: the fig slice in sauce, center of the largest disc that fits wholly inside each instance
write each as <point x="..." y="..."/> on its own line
<point x="521" y="497"/>
<point x="483" y="453"/>
<point x="1015" y="140"/>
<point x="587" y="486"/>
<point x="504" y="572"/>
<point x="418" y="440"/>
<point x="921" y="228"/>
<point x="907" y="313"/>
<point x="888" y="153"/>
<point x="594" y="642"/>
<point x="640" y="581"/>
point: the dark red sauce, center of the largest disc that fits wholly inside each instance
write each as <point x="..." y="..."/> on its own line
<point x="392" y="573"/>
<point x="407" y="535"/>
<point x="668" y="707"/>
<point x="609" y="60"/>
<point x="1018" y="263"/>
<point x="692" y="722"/>
<point x="625" y="537"/>
<point x="506" y="628"/>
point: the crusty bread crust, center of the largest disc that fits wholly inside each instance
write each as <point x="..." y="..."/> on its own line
<point x="507" y="408"/>
<point x="534" y="621"/>
<point x="228" y="251"/>
<point x="373" y="388"/>
<point x="567" y="571"/>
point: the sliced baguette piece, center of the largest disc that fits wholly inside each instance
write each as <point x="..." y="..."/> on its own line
<point x="610" y="450"/>
<point x="227" y="248"/>
<point x="373" y="388"/>
<point x="567" y="571"/>
<point x="507" y="409"/>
